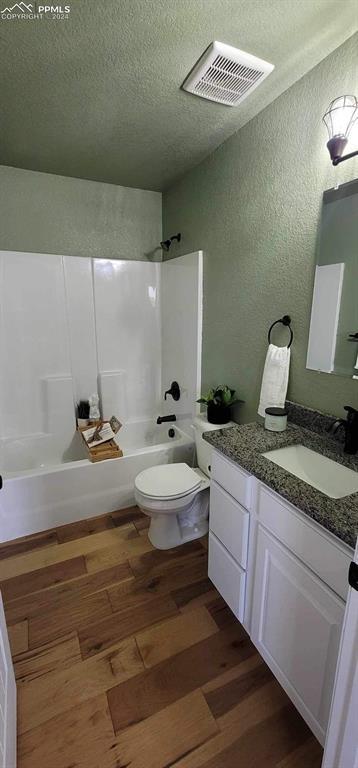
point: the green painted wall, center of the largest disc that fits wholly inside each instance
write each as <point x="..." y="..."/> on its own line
<point x="254" y="206"/>
<point x="45" y="213"/>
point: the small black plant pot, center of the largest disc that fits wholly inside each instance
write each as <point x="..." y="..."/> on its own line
<point x="218" y="414"/>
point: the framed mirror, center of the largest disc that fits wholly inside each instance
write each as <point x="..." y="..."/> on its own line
<point x="333" y="337"/>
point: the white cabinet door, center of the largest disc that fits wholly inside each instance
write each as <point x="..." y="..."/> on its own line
<point x="296" y="626"/>
<point x="7" y="699"/>
<point x="342" y="741"/>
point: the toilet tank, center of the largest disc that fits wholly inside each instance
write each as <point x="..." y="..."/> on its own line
<point x="203" y="449"/>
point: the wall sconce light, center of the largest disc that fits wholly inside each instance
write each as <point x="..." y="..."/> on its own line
<point x="339" y="118"/>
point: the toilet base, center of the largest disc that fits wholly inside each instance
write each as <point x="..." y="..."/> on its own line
<point x="172" y="528"/>
<point x="166" y="533"/>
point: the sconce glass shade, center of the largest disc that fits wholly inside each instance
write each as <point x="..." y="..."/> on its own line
<point x="339" y="119"/>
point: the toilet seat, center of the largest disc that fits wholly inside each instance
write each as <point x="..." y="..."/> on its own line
<point x="167" y="481"/>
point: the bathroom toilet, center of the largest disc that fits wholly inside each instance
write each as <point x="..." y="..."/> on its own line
<point x="176" y="496"/>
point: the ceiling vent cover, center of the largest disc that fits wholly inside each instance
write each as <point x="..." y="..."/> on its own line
<point x="226" y="74"/>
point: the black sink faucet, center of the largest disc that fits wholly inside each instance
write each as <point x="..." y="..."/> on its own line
<point x="350" y="425"/>
<point x="161" y="419"/>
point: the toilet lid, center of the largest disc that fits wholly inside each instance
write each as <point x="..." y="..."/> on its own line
<point x="167" y="480"/>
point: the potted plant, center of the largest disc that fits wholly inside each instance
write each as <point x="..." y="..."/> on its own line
<point x="219" y="402"/>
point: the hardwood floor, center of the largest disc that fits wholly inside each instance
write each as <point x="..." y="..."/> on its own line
<point x="126" y="657"/>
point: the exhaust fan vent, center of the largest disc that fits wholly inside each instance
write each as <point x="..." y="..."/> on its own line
<point x="226" y="74"/>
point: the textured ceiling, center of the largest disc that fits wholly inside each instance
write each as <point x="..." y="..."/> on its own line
<point x="98" y="95"/>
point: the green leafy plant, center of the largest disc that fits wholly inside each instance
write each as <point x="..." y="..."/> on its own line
<point x="221" y="395"/>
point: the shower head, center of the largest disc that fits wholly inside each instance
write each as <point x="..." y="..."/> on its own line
<point x="165" y="244"/>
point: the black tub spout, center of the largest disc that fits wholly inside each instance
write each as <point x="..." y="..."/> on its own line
<point x="162" y="419"/>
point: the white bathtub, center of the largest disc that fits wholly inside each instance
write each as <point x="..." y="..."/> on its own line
<point x="46" y="486"/>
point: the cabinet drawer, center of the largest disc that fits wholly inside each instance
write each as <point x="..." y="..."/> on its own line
<point x="227" y="576"/>
<point x="330" y="561"/>
<point x="232" y="478"/>
<point x="230" y="523"/>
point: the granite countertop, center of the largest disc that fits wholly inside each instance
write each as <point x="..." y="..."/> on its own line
<point x="244" y="445"/>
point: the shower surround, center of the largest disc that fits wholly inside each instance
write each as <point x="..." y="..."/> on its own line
<point x="71" y="326"/>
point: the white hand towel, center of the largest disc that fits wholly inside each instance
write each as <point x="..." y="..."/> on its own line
<point x="275" y="378"/>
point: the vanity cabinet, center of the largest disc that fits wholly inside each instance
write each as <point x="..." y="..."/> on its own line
<point x="285" y="578"/>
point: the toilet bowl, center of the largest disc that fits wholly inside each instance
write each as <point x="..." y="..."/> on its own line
<point x="176" y="496"/>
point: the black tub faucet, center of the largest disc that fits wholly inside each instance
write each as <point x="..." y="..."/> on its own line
<point x="350" y="426"/>
<point x="162" y="419"/>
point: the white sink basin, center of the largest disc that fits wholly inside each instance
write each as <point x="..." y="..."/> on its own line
<point x="335" y="480"/>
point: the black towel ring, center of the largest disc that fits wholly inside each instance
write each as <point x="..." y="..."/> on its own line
<point x="285" y="320"/>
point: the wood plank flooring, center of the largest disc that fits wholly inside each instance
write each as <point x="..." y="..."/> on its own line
<point x="127" y="657"/>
